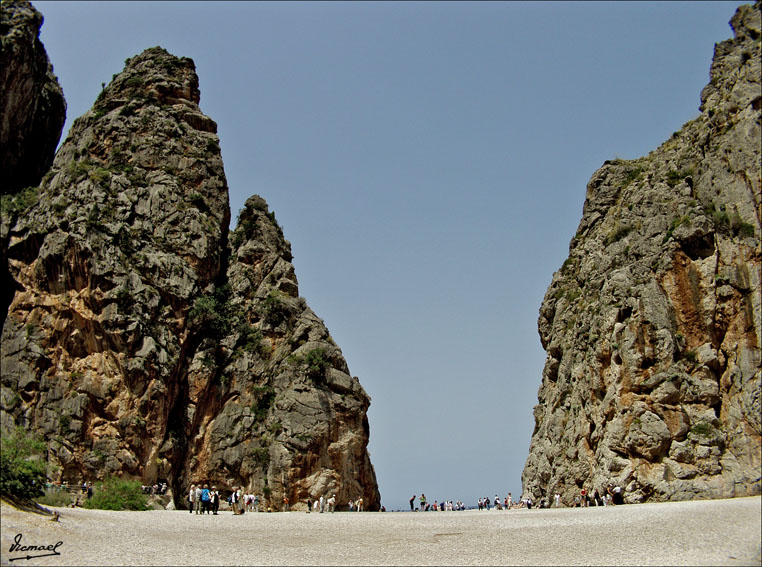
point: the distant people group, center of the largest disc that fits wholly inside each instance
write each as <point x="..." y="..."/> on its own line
<point x="204" y="500"/>
<point x="613" y="495"/>
<point x="158" y="488"/>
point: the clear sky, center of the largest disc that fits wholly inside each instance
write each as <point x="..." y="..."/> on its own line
<point x="428" y="163"/>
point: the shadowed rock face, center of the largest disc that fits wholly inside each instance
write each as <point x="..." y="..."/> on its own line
<point x="32" y="114"/>
<point x="141" y="342"/>
<point x="652" y="326"/>
<point x="32" y="106"/>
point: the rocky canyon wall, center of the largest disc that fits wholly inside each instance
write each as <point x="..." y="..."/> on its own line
<point x="652" y="326"/>
<point x="144" y="339"/>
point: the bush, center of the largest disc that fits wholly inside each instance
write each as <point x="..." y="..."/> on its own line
<point x="691" y="356"/>
<point x="676" y="222"/>
<point x="617" y="233"/>
<point x="118" y="494"/>
<point x="263" y="400"/>
<point x="674" y="176"/>
<point x="251" y="340"/>
<point x="703" y="429"/>
<point x="100" y="175"/>
<point x="22" y="465"/>
<point x="11" y="205"/>
<point x="55" y="497"/>
<point x="262" y="457"/>
<point x="719" y="216"/>
<point x="317" y="363"/>
<point x="274" y="309"/>
<point x="212" y="312"/>
<point x="631" y="175"/>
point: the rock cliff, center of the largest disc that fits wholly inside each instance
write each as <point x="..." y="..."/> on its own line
<point x="32" y="114"/>
<point x="145" y="339"/>
<point x="32" y="104"/>
<point x="652" y="326"/>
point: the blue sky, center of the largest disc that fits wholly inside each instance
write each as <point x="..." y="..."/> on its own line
<point x="428" y="163"/>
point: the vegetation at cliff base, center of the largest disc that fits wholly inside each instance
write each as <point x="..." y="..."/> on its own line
<point x="22" y="465"/>
<point x="117" y="494"/>
<point x="55" y="497"/>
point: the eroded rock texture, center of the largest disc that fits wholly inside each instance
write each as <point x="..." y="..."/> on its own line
<point x="652" y="326"/>
<point x="144" y="339"/>
<point x="32" y="104"/>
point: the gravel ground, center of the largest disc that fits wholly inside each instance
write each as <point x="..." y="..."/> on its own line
<point x="709" y="532"/>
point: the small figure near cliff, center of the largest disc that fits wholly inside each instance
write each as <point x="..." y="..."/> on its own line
<point x="616" y="494"/>
<point x="206" y="500"/>
<point x="332" y="503"/>
<point x="191" y="497"/>
<point x="235" y="502"/>
<point x="215" y="500"/>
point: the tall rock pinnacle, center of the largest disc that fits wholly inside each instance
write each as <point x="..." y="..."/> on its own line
<point x="141" y="342"/>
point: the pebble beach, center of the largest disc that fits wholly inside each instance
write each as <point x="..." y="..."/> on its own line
<point x="709" y="532"/>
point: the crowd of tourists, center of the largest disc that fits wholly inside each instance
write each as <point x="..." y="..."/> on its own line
<point x="158" y="488"/>
<point x="205" y="500"/>
<point x="611" y="496"/>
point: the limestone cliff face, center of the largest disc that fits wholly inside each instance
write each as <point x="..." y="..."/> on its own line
<point x="271" y="402"/>
<point x="32" y="105"/>
<point x="32" y="114"/>
<point x="652" y="326"/>
<point x="144" y="339"/>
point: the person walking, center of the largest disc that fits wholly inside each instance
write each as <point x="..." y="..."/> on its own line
<point x="235" y="501"/>
<point x="412" y="503"/>
<point x="206" y="500"/>
<point x="192" y="497"/>
<point x="215" y="500"/>
<point x="197" y="499"/>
